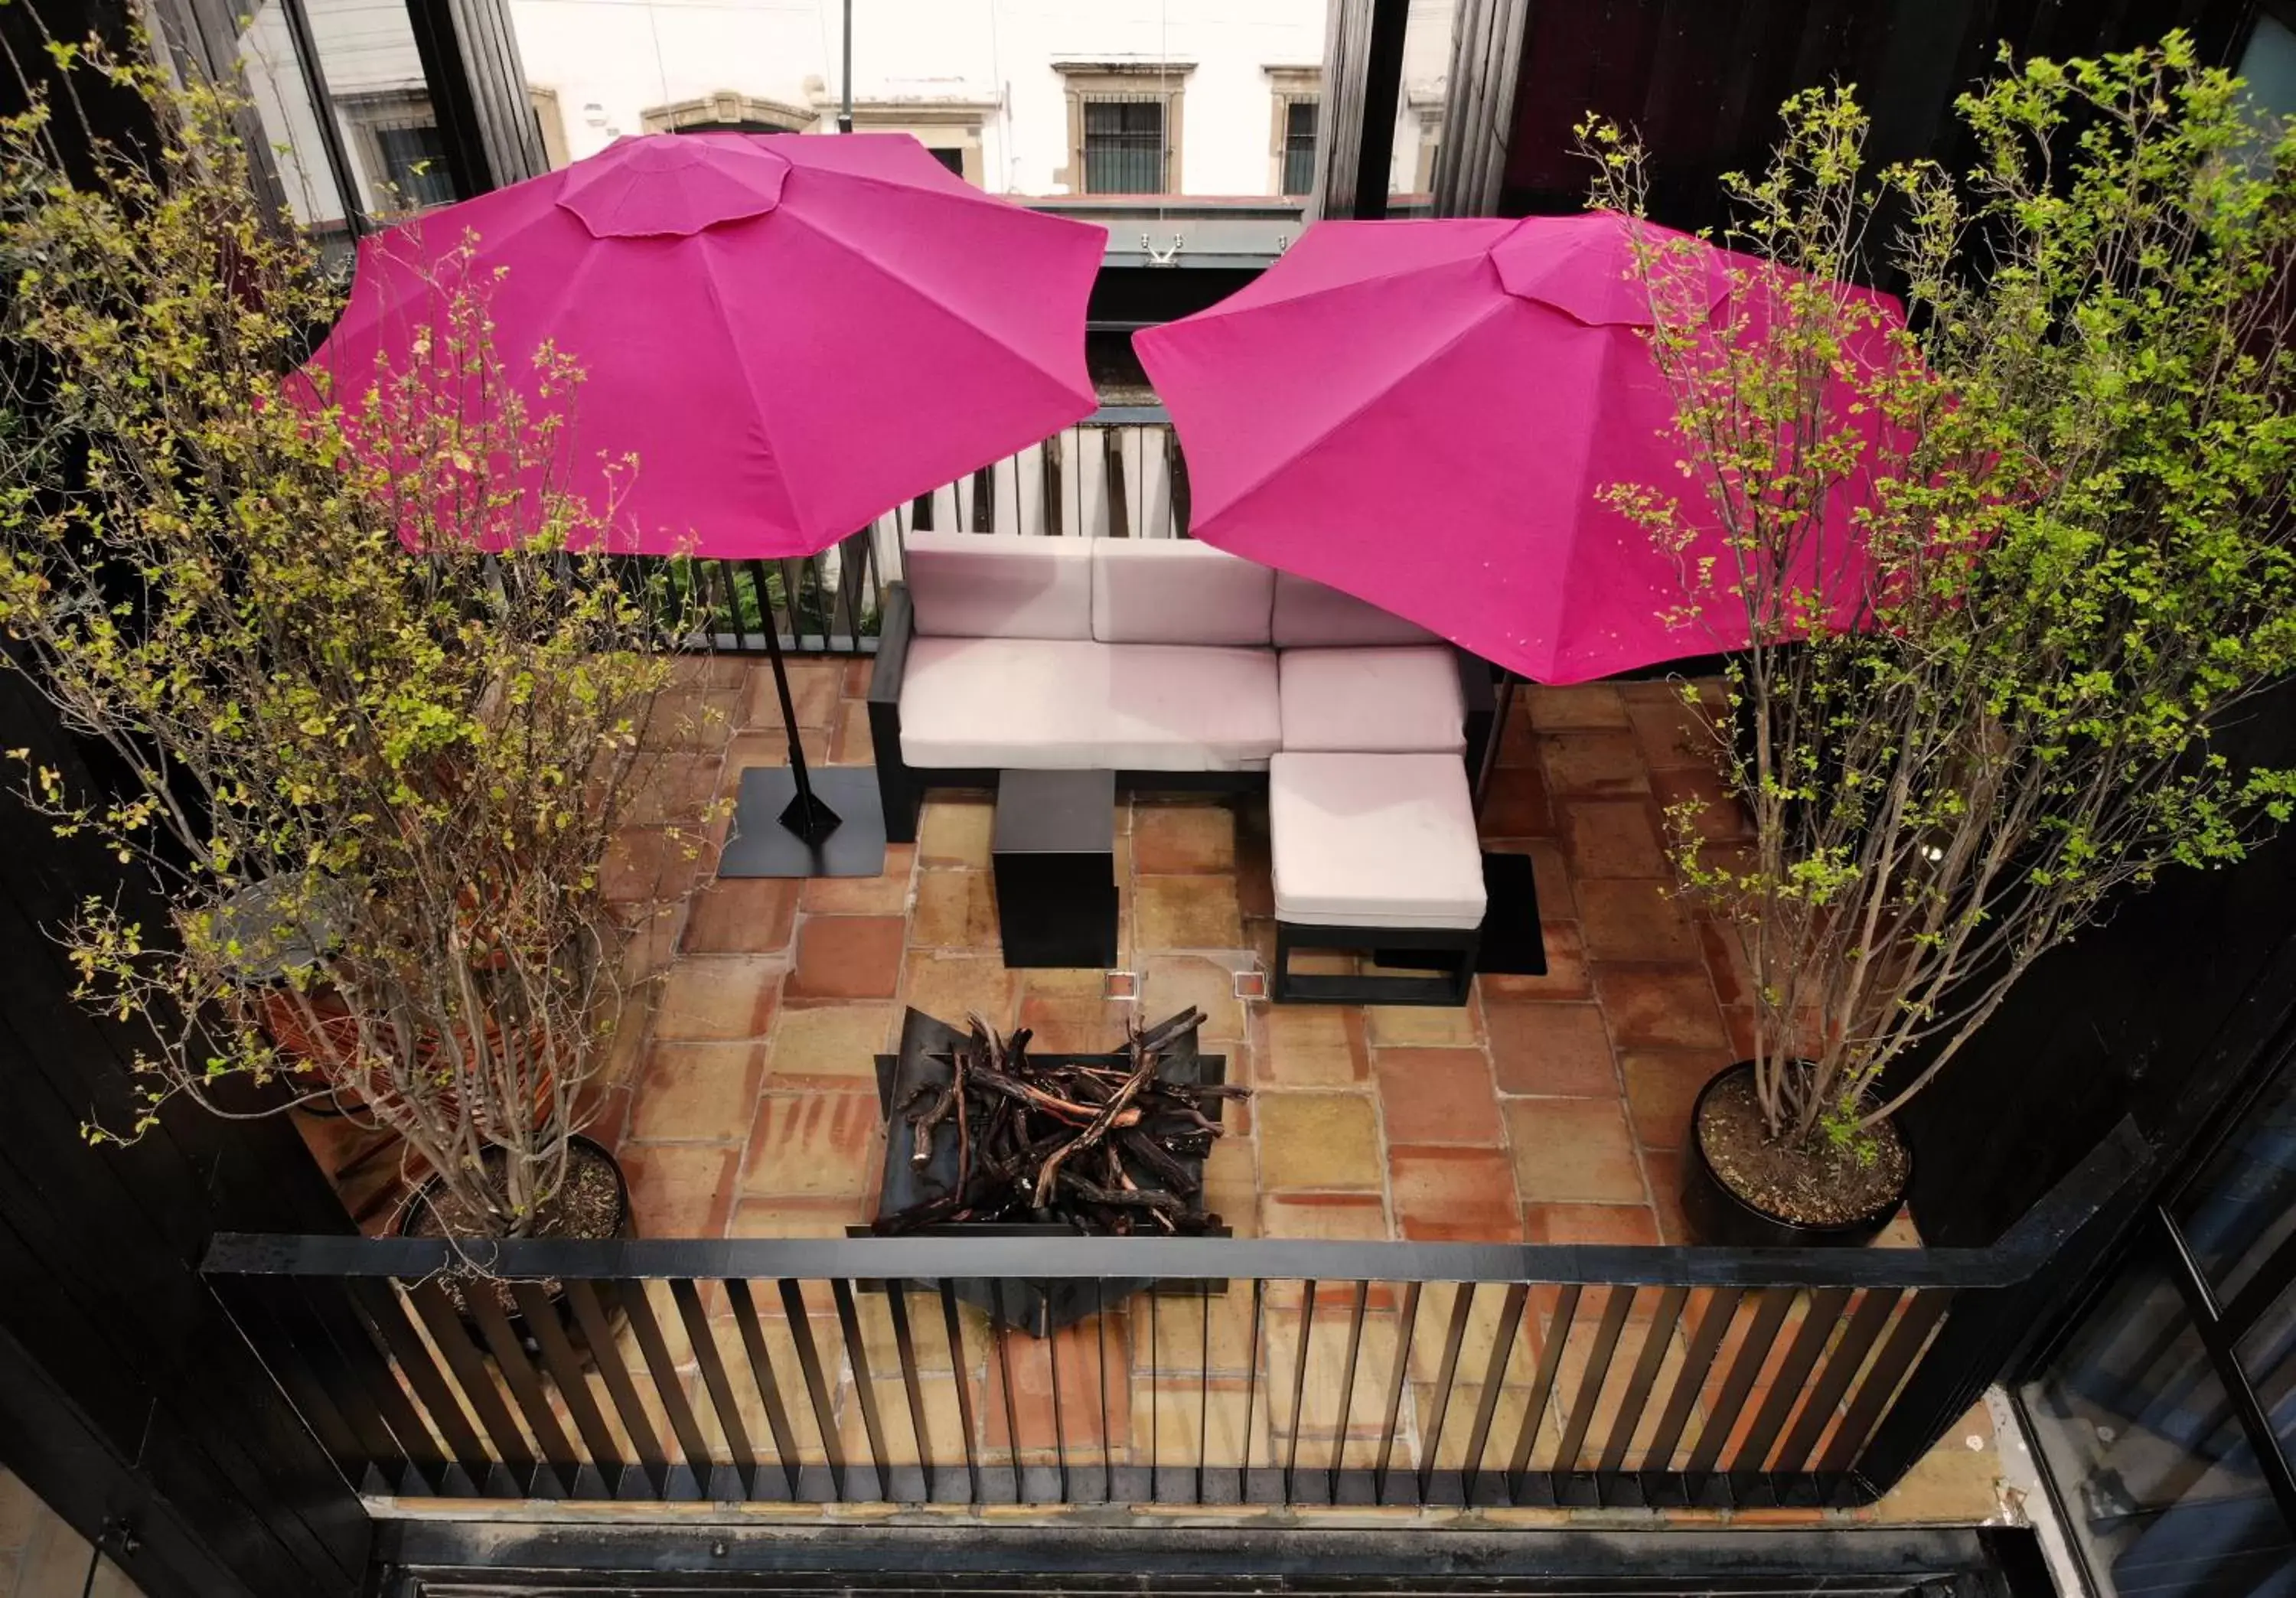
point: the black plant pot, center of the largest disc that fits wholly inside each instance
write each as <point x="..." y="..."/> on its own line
<point x="1723" y="1218"/>
<point x="555" y="1292"/>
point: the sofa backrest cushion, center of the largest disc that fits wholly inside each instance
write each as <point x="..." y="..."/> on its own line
<point x="1309" y="616"/>
<point x="994" y="585"/>
<point x="1177" y="591"/>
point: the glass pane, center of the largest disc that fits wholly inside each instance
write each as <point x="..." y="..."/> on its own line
<point x="1124" y="147"/>
<point x="2242" y="1208"/>
<point x="1299" y="120"/>
<point x="1419" y="107"/>
<point x="2162" y="1492"/>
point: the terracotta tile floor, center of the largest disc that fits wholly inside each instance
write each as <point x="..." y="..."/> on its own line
<point x="1548" y="1108"/>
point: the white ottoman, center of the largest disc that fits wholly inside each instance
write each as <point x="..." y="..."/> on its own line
<point x="1374" y="852"/>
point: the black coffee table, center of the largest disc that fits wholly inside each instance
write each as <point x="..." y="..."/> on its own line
<point x="1054" y="851"/>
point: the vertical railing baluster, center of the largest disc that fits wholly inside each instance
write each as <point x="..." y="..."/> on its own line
<point x="1770" y="1306"/>
<point x="1250" y="1388"/>
<point x="1842" y="1365"/>
<point x="1155" y="1408"/>
<point x="1107" y="1436"/>
<point x="366" y="1365"/>
<point x="1656" y="1337"/>
<point x="767" y="1380"/>
<point x="638" y="1306"/>
<point x="1348" y="1390"/>
<point x="1299" y="1385"/>
<point x="592" y="1319"/>
<point x="904" y="1349"/>
<point x="1479" y="1436"/>
<point x="517" y="1373"/>
<point x="999" y="1325"/>
<point x="711" y="1361"/>
<point x="1204" y="1390"/>
<point x="377" y="1302"/>
<point x="816" y="1389"/>
<point x="954" y="1328"/>
<point x="1431" y="1447"/>
<point x="1616" y="1307"/>
<point x="1053" y="1369"/>
<point x="864" y="1384"/>
<point x="1176" y="475"/>
<point x="1407" y="1322"/>
<point x="1820" y="1320"/>
<point x="1050" y="462"/>
<point x="984" y="501"/>
<point x="1923" y="1311"/>
<point x="1542" y="1386"/>
<point x="1112" y="456"/>
<point x="542" y="1322"/>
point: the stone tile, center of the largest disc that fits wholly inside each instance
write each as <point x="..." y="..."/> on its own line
<point x="1659" y="1007"/>
<point x="814" y="1146"/>
<point x="1952" y="1484"/>
<point x="21" y="1510"/>
<point x="852" y="743"/>
<point x="944" y="1419"/>
<point x="649" y="863"/>
<point x="680" y="1189"/>
<point x="1553" y="1049"/>
<point x="1673" y="736"/>
<point x="800" y="1217"/>
<point x="1516" y="807"/>
<point x="1066" y="1025"/>
<point x="1452" y="1194"/>
<point x="1726" y="962"/>
<point x="1635" y="918"/>
<point x="1627" y="1225"/>
<point x="955" y="909"/>
<point x="947" y="987"/>
<point x="1345" y="1217"/>
<point x="847" y="957"/>
<point x="1662" y="1168"/>
<point x="1318" y="1141"/>
<point x="884" y="894"/>
<point x="1436" y="1096"/>
<point x="814" y="687"/>
<point x="1423" y="1026"/>
<point x="691" y="716"/>
<point x="1311" y="1045"/>
<point x="698" y="1092"/>
<point x="741" y="915"/>
<point x="1170" y="838"/>
<point x="1718" y="817"/>
<point x="1611" y="839"/>
<point x="857" y="673"/>
<point x="1231" y="1184"/>
<point x="829" y="1046"/>
<point x="1186" y="912"/>
<point x="1087" y="1391"/>
<point x="1557" y="899"/>
<point x="712" y="998"/>
<point x="956" y="832"/>
<point x="673" y="787"/>
<point x="1320" y="1393"/>
<point x="1593" y="765"/>
<point x="1566" y="970"/>
<point x="1171" y="983"/>
<point x="747" y="749"/>
<point x="1574" y="1150"/>
<point x="1580" y="705"/>
<point x="1661" y="1087"/>
<point x="1225" y="1411"/>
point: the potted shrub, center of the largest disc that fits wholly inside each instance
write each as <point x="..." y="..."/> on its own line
<point x="2071" y="473"/>
<point x="375" y="773"/>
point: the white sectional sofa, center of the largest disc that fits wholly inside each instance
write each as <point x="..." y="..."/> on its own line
<point x="1176" y="665"/>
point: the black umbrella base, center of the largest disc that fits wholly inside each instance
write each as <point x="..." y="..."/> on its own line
<point x="764" y="845"/>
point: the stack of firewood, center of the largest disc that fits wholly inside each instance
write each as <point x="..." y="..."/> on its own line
<point x="1103" y="1144"/>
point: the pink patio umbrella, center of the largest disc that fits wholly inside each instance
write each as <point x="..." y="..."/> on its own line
<point x="791" y="335"/>
<point x="1425" y="415"/>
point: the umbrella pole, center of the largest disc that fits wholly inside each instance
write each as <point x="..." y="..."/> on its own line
<point x="1491" y="744"/>
<point x="807" y="815"/>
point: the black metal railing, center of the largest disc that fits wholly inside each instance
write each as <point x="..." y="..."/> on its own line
<point x="1118" y="473"/>
<point x="1264" y="1371"/>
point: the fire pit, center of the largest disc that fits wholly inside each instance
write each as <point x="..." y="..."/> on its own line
<point x="984" y="1137"/>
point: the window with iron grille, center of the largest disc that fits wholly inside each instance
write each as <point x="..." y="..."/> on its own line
<point x="415" y="164"/>
<point x="1124" y="148"/>
<point x="1300" y="147"/>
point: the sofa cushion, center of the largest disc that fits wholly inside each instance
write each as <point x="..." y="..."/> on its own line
<point x="1309" y="616"/>
<point x="1177" y="591"/>
<point x="1373" y="840"/>
<point x="1064" y="705"/>
<point x="988" y="585"/>
<point x="1373" y="701"/>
